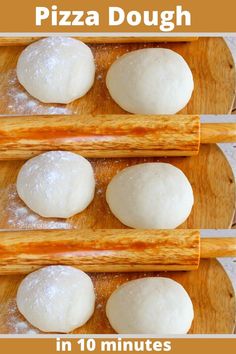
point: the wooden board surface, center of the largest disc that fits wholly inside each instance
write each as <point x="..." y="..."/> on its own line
<point x="209" y="289"/>
<point x="209" y="59"/>
<point x="209" y="173"/>
<point x="13" y="41"/>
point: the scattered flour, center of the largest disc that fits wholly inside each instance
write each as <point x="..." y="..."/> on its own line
<point x="16" y="324"/>
<point x="21" y="217"/>
<point x="20" y="102"/>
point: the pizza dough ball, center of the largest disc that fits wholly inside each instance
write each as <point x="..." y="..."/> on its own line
<point x="158" y="306"/>
<point x="56" y="298"/>
<point x="56" y="69"/>
<point x="150" y="196"/>
<point x="150" y="81"/>
<point x="56" y="184"/>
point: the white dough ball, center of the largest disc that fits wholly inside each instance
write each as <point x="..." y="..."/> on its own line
<point x="150" y="196"/>
<point x="56" y="184"/>
<point x="150" y="81"/>
<point x="56" y="69"/>
<point x="158" y="306"/>
<point x="56" y="298"/>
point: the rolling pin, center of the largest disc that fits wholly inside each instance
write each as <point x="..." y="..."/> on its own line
<point x="22" y="41"/>
<point x="109" y="135"/>
<point x="105" y="250"/>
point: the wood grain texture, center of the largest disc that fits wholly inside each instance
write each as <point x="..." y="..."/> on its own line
<point x="17" y="41"/>
<point x="209" y="288"/>
<point x="217" y="133"/>
<point x="218" y="247"/>
<point x="116" y="135"/>
<point x="209" y="174"/>
<point x="209" y="59"/>
<point x="112" y="250"/>
<point x="100" y="135"/>
<point x="100" y="250"/>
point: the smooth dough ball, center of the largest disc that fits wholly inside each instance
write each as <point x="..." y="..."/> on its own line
<point x="56" y="184"/>
<point x="56" y="298"/>
<point x="150" y="81"/>
<point x="150" y="196"/>
<point x="56" y="69"/>
<point x="150" y="306"/>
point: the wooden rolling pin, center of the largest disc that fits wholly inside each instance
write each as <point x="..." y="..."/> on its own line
<point x="124" y="250"/>
<point x="22" y="41"/>
<point x="109" y="135"/>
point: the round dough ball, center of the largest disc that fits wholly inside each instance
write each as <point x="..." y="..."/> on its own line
<point x="56" y="184"/>
<point x="150" y="196"/>
<point x="56" y="69"/>
<point x="56" y="298"/>
<point x="150" y="81"/>
<point x="150" y="306"/>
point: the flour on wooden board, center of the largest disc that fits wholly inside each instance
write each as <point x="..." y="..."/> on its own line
<point x="19" y="101"/>
<point x="19" y="216"/>
<point x="16" y="323"/>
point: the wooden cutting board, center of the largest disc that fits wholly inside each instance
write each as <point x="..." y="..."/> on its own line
<point x="209" y="288"/>
<point x="13" y="41"/>
<point x="209" y="173"/>
<point x="209" y="59"/>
